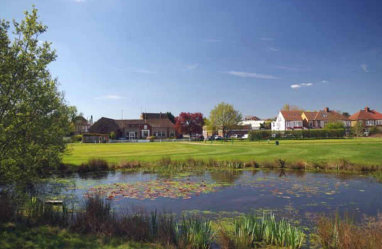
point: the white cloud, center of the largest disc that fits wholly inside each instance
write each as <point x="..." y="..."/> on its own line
<point x="192" y="67"/>
<point x="365" y="68"/>
<point x="295" y="86"/>
<point x="273" y="49"/>
<point x="109" y="97"/>
<point x="79" y="1"/>
<point x="252" y="75"/>
<point x="324" y="81"/>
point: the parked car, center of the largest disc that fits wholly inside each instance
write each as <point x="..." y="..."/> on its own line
<point x="235" y="136"/>
<point x="216" y="137"/>
<point x="245" y="136"/>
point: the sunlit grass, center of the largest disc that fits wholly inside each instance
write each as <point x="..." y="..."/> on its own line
<point x="362" y="151"/>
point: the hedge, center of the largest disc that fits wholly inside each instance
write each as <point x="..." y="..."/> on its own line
<point x="296" y="134"/>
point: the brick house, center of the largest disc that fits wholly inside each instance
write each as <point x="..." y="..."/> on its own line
<point x="368" y="117"/>
<point x="150" y="124"/>
<point x="318" y="120"/>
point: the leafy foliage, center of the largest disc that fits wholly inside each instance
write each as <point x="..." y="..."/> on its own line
<point x="33" y="115"/>
<point x="189" y="123"/>
<point x="224" y="117"/>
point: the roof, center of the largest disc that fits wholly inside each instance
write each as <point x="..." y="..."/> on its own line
<point x="328" y="115"/>
<point x="160" y="123"/>
<point x="366" y="114"/>
<point x="310" y="115"/>
<point x="160" y="115"/>
<point x="125" y="122"/>
<point x="292" y="115"/>
<point x="251" y="118"/>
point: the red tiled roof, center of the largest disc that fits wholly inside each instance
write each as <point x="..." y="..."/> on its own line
<point x="366" y="114"/>
<point x="310" y="115"/>
<point x="328" y="115"/>
<point x="292" y="115"/>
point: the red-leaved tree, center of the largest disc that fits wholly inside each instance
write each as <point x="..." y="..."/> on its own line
<point x="189" y="123"/>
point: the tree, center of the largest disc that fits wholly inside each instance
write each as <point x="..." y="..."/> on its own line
<point x="288" y="107"/>
<point x="171" y="117"/>
<point x="224" y="117"/>
<point x="358" y="129"/>
<point x="33" y="115"/>
<point x="189" y="123"/>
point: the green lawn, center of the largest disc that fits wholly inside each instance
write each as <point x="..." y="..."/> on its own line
<point x="362" y="151"/>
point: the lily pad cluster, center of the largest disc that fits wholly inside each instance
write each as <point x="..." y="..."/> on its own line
<point x="152" y="189"/>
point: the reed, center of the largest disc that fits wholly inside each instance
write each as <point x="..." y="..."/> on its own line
<point x="249" y="231"/>
<point x="344" y="233"/>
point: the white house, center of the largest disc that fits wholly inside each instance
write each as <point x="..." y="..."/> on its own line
<point x="255" y="124"/>
<point x="253" y="121"/>
<point x="288" y="120"/>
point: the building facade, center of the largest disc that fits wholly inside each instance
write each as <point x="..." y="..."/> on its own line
<point x="367" y="117"/>
<point x="150" y="124"/>
<point x="288" y="120"/>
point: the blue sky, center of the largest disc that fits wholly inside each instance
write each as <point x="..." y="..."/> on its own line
<point x="137" y="55"/>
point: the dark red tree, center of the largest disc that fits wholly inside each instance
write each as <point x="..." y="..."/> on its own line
<point x="189" y="123"/>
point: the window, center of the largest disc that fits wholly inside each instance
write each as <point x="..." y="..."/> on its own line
<point x="369" y="122"/>
<point x="378" y="122"/>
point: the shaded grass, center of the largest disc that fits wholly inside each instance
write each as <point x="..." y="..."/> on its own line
<point x="362" y="151"/>
<point x="22" y="236"/>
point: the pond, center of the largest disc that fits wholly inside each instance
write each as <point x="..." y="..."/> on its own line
<point x="299" y="196"/>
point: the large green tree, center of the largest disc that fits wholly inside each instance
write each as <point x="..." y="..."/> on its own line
<point x="33" y="115"/>
<point x="224" y="117"/>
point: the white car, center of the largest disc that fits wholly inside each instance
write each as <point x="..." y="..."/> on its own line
<point x="245" y="136"/>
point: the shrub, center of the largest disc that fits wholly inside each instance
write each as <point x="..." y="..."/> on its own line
<point x="76" y="138"/>
<point x="296" y="134"/>
<point x="113" y="135"/>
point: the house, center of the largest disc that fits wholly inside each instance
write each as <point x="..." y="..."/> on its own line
<point x="82" y="125"/>
<point x="318" y="120"/>
<point x="253" y="121"/>
<point x="150" y="124"/>
<point x="288" y="120"/>
<point x="239" y="130"/>
<point x="368" y="117"/>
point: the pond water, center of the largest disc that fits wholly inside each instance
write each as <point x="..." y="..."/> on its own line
<point x="299" y="196"/>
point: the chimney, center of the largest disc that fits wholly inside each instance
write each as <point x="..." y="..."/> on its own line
<point x="326" y="109"/>
<point x="367" y="109"/>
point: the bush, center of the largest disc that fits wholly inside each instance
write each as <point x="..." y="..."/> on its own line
<point x="151" y="138"/>
<point x="113" y="135"/>
<point x="76" y="138"/>
<point x="296" y="134"/>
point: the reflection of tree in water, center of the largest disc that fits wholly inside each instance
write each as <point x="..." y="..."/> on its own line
<point x="225" y="176"/>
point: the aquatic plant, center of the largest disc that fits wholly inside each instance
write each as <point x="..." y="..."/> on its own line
<point x="194" y="233"/>
<point x="344" y="233"/>
<point x="251" y="230"/>
<point x="152" y="189"/>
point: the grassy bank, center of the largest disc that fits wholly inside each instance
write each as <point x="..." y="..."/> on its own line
<point x="365" y="151"/>
<point x="39" y="225"/>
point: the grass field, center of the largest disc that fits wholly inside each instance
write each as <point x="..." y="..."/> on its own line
<point x="361" y="151"/>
